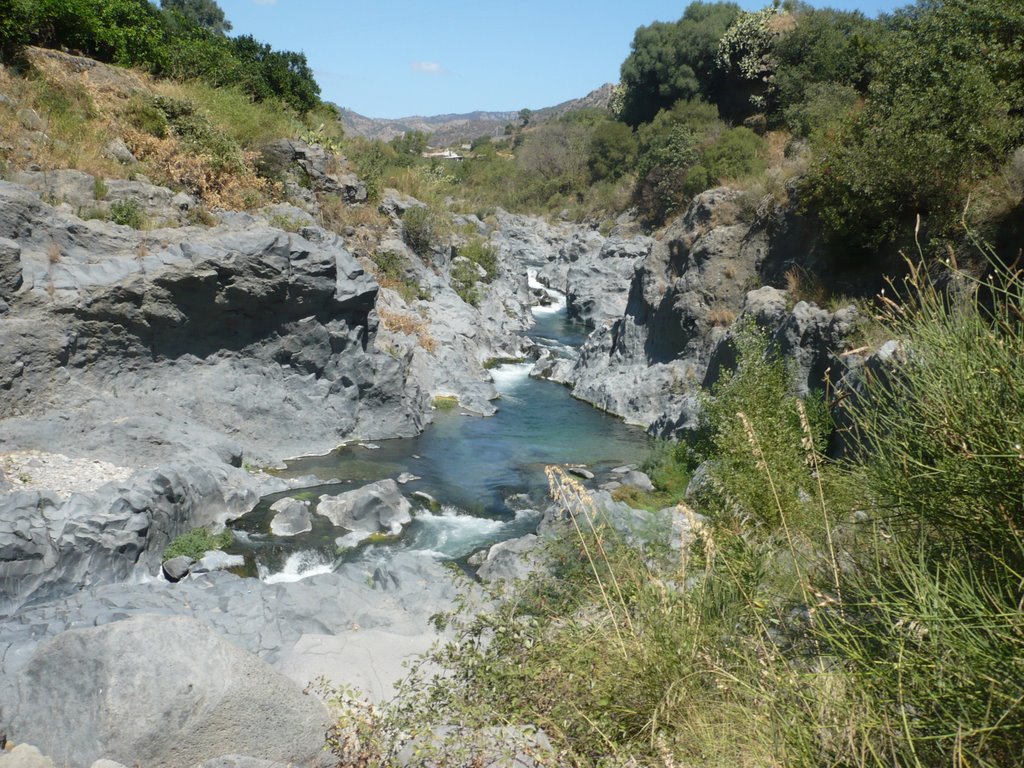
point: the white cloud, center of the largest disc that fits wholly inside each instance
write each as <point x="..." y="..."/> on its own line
<point x="265" y="2"/>
<point x="426" y="67"/>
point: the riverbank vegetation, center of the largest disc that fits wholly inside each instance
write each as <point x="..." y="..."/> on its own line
<point x="863" y="611"/>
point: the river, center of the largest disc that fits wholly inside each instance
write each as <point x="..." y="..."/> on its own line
<point x="487" y="474"/>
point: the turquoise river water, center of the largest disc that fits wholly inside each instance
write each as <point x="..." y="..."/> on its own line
<point x="486" y="473"/>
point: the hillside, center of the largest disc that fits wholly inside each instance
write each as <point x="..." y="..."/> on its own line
<point x="446" y="130"/>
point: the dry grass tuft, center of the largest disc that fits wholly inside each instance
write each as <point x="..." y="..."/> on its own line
<point x="219" y="186"/>
<point x="721" y="317"/>
<point x="804" y="285"/>
<point x="410" y="325"/>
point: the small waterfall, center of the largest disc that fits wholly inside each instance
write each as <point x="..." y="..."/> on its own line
<point x="557" y="297"/>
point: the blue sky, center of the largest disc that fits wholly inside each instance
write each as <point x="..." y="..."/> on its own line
<point x="395" y="58"/>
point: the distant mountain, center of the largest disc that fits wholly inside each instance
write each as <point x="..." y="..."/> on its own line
<point x="446" y="130"/>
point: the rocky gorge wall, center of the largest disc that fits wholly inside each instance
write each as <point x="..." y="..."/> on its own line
<point x="185" y="352"/>
<point x="664" y="312"/>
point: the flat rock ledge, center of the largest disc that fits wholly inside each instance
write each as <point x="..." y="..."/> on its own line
<point x="63" y="475"/>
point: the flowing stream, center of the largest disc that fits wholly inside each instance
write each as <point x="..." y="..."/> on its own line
<point x="487" y="474"/>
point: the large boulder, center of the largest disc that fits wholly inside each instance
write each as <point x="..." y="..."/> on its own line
<point x="314" y="165"/>
<point x="291" y="517"/>
<point x="377" y="507"/>
<point x="239" y="329"/>
<point x="511" y="560"/>
<point x="160" y="691"/>
<point x="597" y="283"/>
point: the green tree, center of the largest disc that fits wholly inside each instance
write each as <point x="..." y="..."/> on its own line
<point x="612" y="151"/>
<point x="825" y="46"/>
<point x="266" y="73"/>
<point x="409" y="146"/>
<point x="14" y="18"/>
<point x="944" y="111"/>
<point x="203" y="13"/>
<point x="746" y="59"/>
<point x="555" y="154"/>
<point x="673" y="61"/>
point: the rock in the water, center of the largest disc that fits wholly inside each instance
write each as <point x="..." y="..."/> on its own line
<point x="582" y="472"/>
<point x="292" y="517"/>
<point x="177" y="568"/>
<point x="407" y="477"/>
<point x="160" y="691"/>
<point x="375" y="507"/>
<point x="511" y="560"/>
<point x="215" y="560"/>
<point x="426" y="498"/>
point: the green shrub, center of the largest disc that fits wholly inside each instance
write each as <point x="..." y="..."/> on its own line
<point x="464" y="280"/>
<point x="669" y="147"/>
<point x="371" y="160"/>
<point x="482" y="254"/>
<point x="127" y="212"/>
<point x="14" y="18"/>
<point x="145" y="114"/>
<point x="197" y="542"/>
<point x="612" y="151"/>
<point x="738" y="153"/>
<point x="419" y="229"/>
<point x="822" y="111"/>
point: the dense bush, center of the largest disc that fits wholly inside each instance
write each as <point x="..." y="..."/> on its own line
<point x="13" y="28"/>
<point x="612" y="151"/>
<point x="669" y="147"/>
<point x="185" y="41"/>
<point x="128" y="213"/>
<point x="202" y="13"/>
<point x="419" y="229"/>
<point x="945" y="108"/>
<point x="825" y="46"/>
<point x="737" y="153"/>
<point x="822" y="110"/>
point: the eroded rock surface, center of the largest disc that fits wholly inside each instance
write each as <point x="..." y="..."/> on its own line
<point x="159" y="691"/>
<point x="376" y="507"/>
